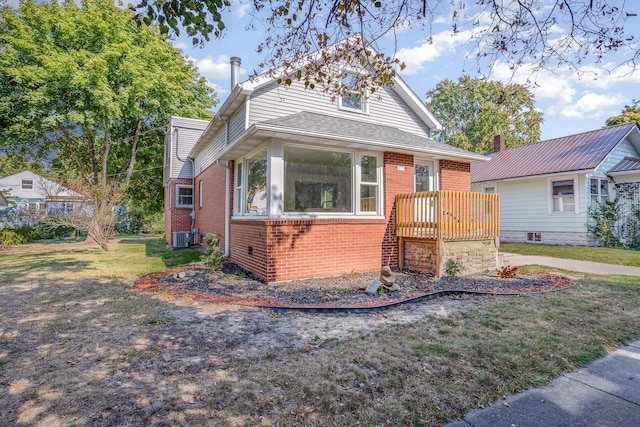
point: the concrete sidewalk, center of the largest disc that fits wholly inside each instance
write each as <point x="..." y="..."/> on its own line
<point x="569" y="264"/>
<point x="605" y="393"/>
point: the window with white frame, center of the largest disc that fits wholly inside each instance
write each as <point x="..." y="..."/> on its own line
<point x="184" y="196"/>
<point x="534" y="237"/>
<point x="237" y="195"/>
<point x="27" y="184"/>
<point x="563" y="195"/>
<point x="368" y="184"/>
<point x="200" y="194"/>
<point x="489" y="189"/>
<point x="256" y="202"/>
<point x="352" y="97"/>
<point x="599" y="189"/>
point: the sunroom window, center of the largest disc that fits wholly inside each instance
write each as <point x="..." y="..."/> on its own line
<point x="237" y="195"/>
<point x="317" y="180"/>
<point x="563" y="196"/>
<point x="368" y="183"/>
<point x="256" y="202"/>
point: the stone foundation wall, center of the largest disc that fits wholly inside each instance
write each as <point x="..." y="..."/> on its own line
<point x="548" y="238"/>
<point x="420" y="255"/>
<point x="475" y="255"/>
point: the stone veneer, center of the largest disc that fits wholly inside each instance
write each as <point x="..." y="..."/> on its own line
<point x="475" y="255"/>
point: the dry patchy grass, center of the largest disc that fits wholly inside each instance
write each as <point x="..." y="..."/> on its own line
<point x="79" y="347"/>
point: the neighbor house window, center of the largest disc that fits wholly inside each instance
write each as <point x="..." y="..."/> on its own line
<point x="352" y="98"/>
<point x="68" y="208"/>
<point x="534" y="237"/>
<point x="599" y="189"/>
<point x="489" y="189"/>
<point x="27" y="184"/>
<point x="563" y="196"/>
<point x="184" y="196"/>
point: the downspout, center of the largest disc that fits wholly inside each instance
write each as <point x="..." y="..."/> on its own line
<point x="227" y="208"/>
<point x="193" y="171"/>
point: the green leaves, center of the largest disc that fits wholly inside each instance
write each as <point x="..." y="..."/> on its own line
<point x="472" y="111"/>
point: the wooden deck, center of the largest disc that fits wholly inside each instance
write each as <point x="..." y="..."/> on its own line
<point x="448" y="215"/>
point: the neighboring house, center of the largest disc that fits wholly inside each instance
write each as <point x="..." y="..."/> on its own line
<point x="296" y="185"/>
<point x="4" y="203"/>
<point x="38" y="194"/>
<point x="547" y="187"/>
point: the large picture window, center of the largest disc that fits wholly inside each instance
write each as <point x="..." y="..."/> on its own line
<point x="563" y="196"/>
<point x="317" y="181"/>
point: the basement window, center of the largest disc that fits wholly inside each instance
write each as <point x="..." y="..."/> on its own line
<point x="534" y="237"/>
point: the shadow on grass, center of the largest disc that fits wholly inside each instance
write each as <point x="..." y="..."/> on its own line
<point x="157" y="248"/>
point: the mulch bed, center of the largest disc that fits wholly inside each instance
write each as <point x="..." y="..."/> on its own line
<point x="233" y="285"/>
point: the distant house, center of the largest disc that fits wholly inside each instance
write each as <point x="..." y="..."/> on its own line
<point x="297" y="185"/>
<point x="547" y="187"/>
<point x="38" y="194"/>
<point x="4" y="203"/>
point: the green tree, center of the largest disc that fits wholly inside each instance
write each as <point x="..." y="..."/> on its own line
<point x="90" y="85"/>
<point x="13" y="163"/>
<point x="473" y="111"/>
<point x="544" y="32"/>
<point x="630" y="113"/>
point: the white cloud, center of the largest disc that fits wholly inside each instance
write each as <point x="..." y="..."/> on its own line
<point x="217" y="68"/>
<point x="595" y="105"/>
<point x="220" y="90"/>
<point x="441" y="44"/>
<point x="243" y="10"/>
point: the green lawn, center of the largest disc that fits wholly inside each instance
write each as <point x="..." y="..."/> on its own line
<point x="128" y="257"/>
<point x="582" y="253"/>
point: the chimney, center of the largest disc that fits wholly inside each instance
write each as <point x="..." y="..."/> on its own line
<point x="235" y="71"/>
<point x="498" y="143"/>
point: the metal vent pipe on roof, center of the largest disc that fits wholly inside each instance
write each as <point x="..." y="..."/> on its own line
<point x="235" y="71"/>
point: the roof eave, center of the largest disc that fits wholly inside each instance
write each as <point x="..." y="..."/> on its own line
<point x="544" y="175"/>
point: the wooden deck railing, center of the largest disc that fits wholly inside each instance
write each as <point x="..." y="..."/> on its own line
<point x="448" y="215"/>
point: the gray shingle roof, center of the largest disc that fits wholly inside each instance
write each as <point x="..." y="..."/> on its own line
<point x="338" y="127"/>
<point x="628" y="164"/>
<point x="582" y="151"/>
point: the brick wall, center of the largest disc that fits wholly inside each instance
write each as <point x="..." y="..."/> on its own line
<point x="175" y="219"/>
<point x="455" y="176"/>
<point x="398" y="178"/>
<point x="248" y="246"/>
<point x="210" y="217"/>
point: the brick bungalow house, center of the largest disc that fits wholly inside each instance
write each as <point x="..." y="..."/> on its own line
<point x="296" y="185"/>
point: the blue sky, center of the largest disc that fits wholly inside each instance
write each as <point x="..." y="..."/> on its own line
<point x="572" y="102"/>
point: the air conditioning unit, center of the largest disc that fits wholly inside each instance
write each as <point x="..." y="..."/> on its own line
<point x="181" y="239"/>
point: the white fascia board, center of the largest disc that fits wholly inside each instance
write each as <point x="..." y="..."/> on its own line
<point x="546" y="175"/>
<point x="623" y="173"/>
<point x="233" y="101"/>
<point x="417" y="105"/>
<point x="273" y="130"/>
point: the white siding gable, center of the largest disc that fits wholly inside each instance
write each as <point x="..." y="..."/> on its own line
<point x="622" y="150"/>
<point x="41" y="187"/>
<point x="385" y="108"/>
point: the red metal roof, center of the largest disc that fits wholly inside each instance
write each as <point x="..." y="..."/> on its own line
<point x="582" y="151"/>
<point x="628" y="164"/>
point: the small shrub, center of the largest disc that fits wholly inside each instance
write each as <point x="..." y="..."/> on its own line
<point x="11" y="238"/>
<point x="603" y="225"/>
<point x="507" y="272"/>
<point x="453" y="267"/>
<point x="213" y="256"/>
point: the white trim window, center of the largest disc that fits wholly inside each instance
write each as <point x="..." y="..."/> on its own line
<point x="564" y="196"/>
<point x="489" y="189"/>
<point x="200" y="194"/>
<point x="352" y="98"/>
<point x="250" y="196"/>
<point x="599" y="190"/>
<point x="27" y="184"/>
<point x="237" y="195"/>
<point x="184" y="196"/>
<point x="318" y="182"/>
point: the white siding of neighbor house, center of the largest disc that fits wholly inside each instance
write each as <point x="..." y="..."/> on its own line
<point x="181" y="142"/>
<point x="524" y="207"/>
<point x="205" y="158"/>
<point x="386" y="108"/>
<point x="42" y="187"/>
<point x="237" y="122"/>
<point x="622" y="150"/>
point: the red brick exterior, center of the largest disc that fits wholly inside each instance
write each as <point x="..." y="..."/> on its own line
<point x="210" y="216"/>
<point x="175" y="219"/>
<point x="455" y="176"/>
<point x="277" y="250"/>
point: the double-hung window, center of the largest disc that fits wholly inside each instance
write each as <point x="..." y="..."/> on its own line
<point x="352" y="96"/>
<point x="563" y="195"/>
<point x="184" y="196"/>
<point x="599" y="189"/>
<point x="369" y="184"/>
